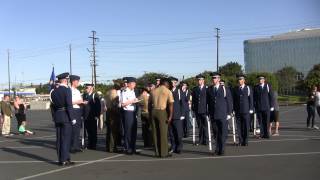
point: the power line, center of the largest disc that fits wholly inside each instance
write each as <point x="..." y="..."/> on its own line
<point x="295" y="25"/>
<point x="160" y="43"/>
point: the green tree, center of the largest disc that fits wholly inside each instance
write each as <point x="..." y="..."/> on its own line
<point x="231" y="69"/>
<point x="287" y="78"/>
<point x="42" y="89"/>
<point x="270" y="78"/>
<point x="192" y="81"/>
<point x="313" y="77"/>
<point x="149" y="78"/>
<point x="103" y="88"/>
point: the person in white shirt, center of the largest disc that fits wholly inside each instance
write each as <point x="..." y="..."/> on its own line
<point x="127" y="101"/>
<point x="77" y="101"/>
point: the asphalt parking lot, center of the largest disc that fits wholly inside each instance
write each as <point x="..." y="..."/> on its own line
<point x="295" y="154"/>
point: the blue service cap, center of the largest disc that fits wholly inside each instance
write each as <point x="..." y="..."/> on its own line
<point x="215" y="74"/>
<point x="173" y="79"/>
<point x="63" y="76"/>
<point x="74" y="78"/>
<point x="241" y="76"/>
<point x="184" y="83"/>
<point x="89" y="84"/>
<point x="125" y="79"/>
<point x="200" y="76"/>
<point x="131" y="79"/>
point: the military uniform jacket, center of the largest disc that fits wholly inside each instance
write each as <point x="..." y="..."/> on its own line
<point x="242" y="99"/>
<point x="219" y="102"/>
<point x="177" y="104"/>
<point x="93" y="108"/>
<point x="185" y="97"/>
<point x="5" y="108"/>
<point x="199" y="100"/>
<point x="263" y="100"/>
<point x="61" y="99"/>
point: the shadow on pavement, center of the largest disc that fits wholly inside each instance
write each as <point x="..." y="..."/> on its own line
<point x="33" y="156"/>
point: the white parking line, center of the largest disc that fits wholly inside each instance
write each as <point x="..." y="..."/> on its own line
<point x="107" y="160"/>
<point x="280" y="140"/>
<point x="292" y="135"/>
<point x="69" y="167"/>
<point x="217" y="157"/>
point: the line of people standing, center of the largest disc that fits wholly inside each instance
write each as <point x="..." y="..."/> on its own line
<point x="165" y="109"/>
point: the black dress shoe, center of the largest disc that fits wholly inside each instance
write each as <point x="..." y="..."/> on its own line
<point x="169" y="155"/>
<point x="63" y="163"/>
<point x="70" y="163"/>
<point x="170" y="151"/>
<point x="76" y="150"/>
<point x="215" y="153"/>
<point x="221" y="153"/>
<point x="137" y="152"/>
<point x="92" y="148"/>
<point x="129" y="153"/>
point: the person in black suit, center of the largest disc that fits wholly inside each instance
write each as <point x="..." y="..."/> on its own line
<point x="219" y="102"/>
<point x="263" y="103"/>
<point x="243" y="107"/>
<point x="199" y="108"/>
<point x="92" y="111"/>
<point x="61" y="104"/>
<point x="176" y="126"/>
<point x="185" y="100"/>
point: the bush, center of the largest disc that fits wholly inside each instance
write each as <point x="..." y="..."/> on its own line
<point x="270" y="78"/>
<point x="313" y="77"/>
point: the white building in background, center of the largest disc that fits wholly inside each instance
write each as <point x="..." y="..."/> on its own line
<point x="299" y="49"/>
<point x="21" y="92"/>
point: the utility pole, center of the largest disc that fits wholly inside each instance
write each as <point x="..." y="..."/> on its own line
<point x="94" y="63"/>
<point x="92" y="74"/>
<point x="9" y="72"/>
<point x="70" y="58"/>
<point x="218" y="37"/>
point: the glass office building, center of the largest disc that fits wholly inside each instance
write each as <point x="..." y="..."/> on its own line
<point x="299" y="49"/>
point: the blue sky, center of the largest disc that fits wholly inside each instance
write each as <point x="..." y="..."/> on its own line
<point x="137" y="36"/>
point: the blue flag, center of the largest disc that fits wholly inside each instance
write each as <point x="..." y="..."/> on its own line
<point x="52" y="80"/>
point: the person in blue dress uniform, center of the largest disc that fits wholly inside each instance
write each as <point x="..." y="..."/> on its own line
<point x="61" y="100"/>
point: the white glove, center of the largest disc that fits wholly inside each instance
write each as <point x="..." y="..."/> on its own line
<point x="182" y="118"/>
<point x="74" y="122"/>
<point x="272" y="109"/>
<point x="251" y="111"/>
<point x="228" y="117"/>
